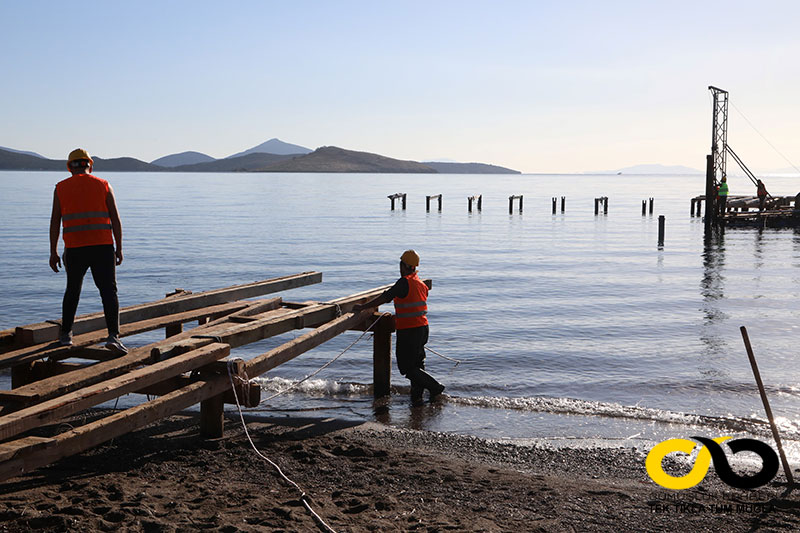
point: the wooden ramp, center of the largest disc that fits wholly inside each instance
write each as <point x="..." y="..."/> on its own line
<point x="186" y="368"/>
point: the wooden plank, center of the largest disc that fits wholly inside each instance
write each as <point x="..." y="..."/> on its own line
<point x="240" y="334"/>
<point x="249" y="396"/>
<point x="9" y="449"/>
<point x="47" y="331"/>
<point x="17" y="396"/>
<point x="235" y="335"/>
<point x="346" y="303"/>
<point x="29" y="457"/>
<point x="212" y="417"/>
<point x="90" y="353"/>
<point x="286" y="352"/>
<point x="55" y="352"/>
<point x="7" y="340"/>
<point x="47" y="412"/>
<point x="382" y="357"/>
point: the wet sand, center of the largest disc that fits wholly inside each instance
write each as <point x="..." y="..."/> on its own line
<point x="366" y="477"/>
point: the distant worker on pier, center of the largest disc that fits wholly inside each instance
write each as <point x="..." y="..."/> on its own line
<point x="410" y="297"/>
<point x="761" y="191"/>
<point x="722" y="196"/>
<point x="86" y="207"/>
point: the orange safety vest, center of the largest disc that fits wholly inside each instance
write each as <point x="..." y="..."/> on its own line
<point x="409" y="312"/>
<point x="84" y="213"/>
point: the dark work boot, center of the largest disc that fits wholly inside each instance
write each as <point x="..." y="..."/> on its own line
<point x="416" y="395"/>
<point x="436" y="392"/>
<point x="422" y="379"/>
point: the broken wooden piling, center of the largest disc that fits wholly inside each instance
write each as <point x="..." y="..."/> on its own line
<point x="428" y="202"/>
<point x="477" y="199"/>
<point x="396" y="196"/>
<point x="602" y="200"/>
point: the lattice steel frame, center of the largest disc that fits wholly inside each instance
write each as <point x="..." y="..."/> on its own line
<point x="719" y="132"/>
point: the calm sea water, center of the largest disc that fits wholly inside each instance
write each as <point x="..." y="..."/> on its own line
<point x="567" y="325"/>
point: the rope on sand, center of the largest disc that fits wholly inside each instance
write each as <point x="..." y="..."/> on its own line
<point x="246" y="383"/>
<point x="303" y="497"/>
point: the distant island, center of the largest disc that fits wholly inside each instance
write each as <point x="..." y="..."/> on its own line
<point x="271" y="156"/>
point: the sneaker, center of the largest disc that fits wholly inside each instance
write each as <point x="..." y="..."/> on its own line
<point x="437" y="391"/>
<point x="115" y="345"/>
<point x="65" y="338"/>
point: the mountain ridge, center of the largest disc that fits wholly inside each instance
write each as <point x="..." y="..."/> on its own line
<point x="329" y="159"/>
<point x="183" y="158"/>
<point x="274" y="146"/>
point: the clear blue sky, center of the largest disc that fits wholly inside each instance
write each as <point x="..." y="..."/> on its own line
<point x="538" y="86"/>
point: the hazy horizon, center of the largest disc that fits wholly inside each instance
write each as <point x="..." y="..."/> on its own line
<point x="541" y="87"/>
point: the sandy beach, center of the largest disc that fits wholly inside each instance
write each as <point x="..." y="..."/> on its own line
<point x="367" y="477"/>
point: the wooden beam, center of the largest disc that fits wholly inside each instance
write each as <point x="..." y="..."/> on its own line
<point x="90" y="353"/>
<point x="240" y="334"/>
<point x="7" y="340"/>
<point x="212" y="417"/>
<point x="55" y="352"/>
<point x="27" y="455"/>
<point x="9" y="449"/>
<point x="382" y="356"/>
<point x="249" y="396"/>
<point x="286" y="352"/>
<point x="12" y="424"/>
<point x="234" y="335"/>
<point x="47" y="331"/>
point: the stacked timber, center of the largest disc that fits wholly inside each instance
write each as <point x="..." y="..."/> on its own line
<point x="184" y="369"/>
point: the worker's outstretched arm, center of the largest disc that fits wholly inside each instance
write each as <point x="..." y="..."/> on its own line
<point x="381" y="299"/>
<point x="55" y="230"/>
<point x="116" y="223"/>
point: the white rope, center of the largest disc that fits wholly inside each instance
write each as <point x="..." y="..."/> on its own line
<point x="456" y="361"/>
<point x="763" y="137"/>
<point x="323" y="367"/>
<point x="303" y="497"/>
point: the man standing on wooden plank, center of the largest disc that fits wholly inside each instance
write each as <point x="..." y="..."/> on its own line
<point x="86" y="206"/>
<point x="410" y="297"/>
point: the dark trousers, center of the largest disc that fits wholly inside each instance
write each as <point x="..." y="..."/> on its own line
<point x="101" y="260"/>
<point x="722" y="202"/>
<point x="411" y="359"/>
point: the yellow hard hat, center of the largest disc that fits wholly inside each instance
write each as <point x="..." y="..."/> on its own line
<point x="410" y="257"/>
<point x="78" y="153"/>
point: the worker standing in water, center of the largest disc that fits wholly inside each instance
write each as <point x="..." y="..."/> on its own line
<point x="722" y="196"/>
<point x="410" y="297"/>
<point x="86" y="207"/>
<point x="761" y="192"/>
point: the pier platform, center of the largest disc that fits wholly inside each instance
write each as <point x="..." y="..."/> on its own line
<point x="50" y="382"/>
<point x="742" y="211"/>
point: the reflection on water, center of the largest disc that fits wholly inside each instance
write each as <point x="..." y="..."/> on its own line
<point x="712" y="287"/>
<point x="397" y="410"/>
